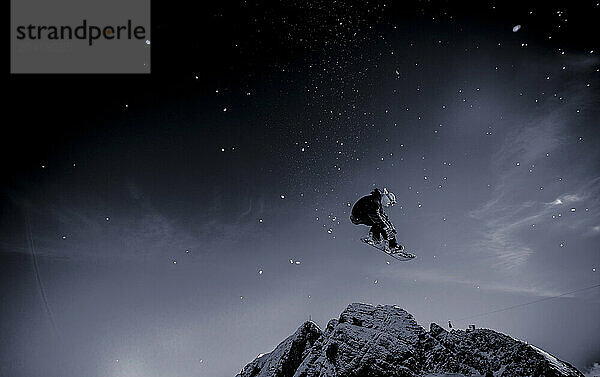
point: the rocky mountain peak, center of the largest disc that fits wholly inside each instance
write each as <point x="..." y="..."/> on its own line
<point x="386" y="341"/>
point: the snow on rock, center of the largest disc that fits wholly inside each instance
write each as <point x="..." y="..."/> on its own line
<point x="285" y="358"/>
<point x="555" y="363"/>
<point x="386" y="341"/>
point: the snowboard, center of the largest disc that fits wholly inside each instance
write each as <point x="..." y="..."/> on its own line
<point x="398" y="255"/>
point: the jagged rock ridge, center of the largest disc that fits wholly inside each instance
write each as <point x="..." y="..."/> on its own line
<point x="386" y="341"/>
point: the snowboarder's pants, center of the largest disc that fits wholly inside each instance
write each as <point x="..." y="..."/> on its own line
<point x="382" y="227"/>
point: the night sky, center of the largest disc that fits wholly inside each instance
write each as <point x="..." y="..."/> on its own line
<point x="181" y="223"/>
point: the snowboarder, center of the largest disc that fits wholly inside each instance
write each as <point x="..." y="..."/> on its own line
<point x="368" y="210"/>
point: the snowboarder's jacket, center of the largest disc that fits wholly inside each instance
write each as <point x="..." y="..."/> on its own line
<point x="368" y="210"/>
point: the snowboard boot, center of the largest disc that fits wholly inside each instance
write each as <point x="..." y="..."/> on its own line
<point x="376" y="240"/>
<point x="394" y="246"/>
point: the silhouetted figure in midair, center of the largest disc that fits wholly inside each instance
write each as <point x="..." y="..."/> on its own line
<point x="368" y="210"/>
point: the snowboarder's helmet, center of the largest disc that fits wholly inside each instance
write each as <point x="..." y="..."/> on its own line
<point x="388" y="199"/>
